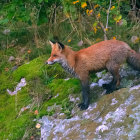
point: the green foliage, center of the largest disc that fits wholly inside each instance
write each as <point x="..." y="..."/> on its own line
<point x="31" y="12"/>
<point x="67" y="107"/>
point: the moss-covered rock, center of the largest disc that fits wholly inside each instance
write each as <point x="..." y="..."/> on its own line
<point x="37" y="68"/>
<point x="31" y="70"/>
<point x="43" y="84"/>
<point x="113" y="116"/>
<point x="60" y="90"/>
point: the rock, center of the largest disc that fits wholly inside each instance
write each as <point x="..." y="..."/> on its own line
<point x="22" y="50"/>
<point x="20" y="85"/>
<point x="80" y="43"/>
<point x="128" y="76"/>
<point x="6" y="31"/>
<point x="11" y="58"/>
<point x="62" y="116"/>
<point x="113" y="116"/>
<point x="92" y="85"/>
<point x="14" y="68"/>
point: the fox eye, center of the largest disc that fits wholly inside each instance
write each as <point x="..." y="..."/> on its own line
<point x="54" y="55"/>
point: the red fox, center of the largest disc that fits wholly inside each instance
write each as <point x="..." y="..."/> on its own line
<point x="109" y="54"/>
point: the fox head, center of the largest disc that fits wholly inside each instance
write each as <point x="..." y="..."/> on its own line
<point x="57" y="54"/>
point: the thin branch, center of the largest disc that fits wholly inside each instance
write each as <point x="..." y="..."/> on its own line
<point x="108" y="14"/>
<point x="68" y="35"/>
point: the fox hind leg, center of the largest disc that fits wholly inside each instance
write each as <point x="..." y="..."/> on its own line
<point x="113" y="68"/>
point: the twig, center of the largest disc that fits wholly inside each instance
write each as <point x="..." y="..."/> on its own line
<point x="71" y="24"/>
<point x="69" y="35"/>
<point x="108" y="15"/>
<point x="74" y="26"/>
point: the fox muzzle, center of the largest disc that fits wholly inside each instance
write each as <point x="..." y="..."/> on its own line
<point x="50" y="62"/>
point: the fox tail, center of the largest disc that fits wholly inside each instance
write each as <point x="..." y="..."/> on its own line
<point x="134" y="59"/>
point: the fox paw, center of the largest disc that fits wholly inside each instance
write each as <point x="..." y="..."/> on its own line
<point x="106" y="86"/>
<point x="82" y="106"/>
<point x="109" y="88"/>
<point x="109" y="91"/>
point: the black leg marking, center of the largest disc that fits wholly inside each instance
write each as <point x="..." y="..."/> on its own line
<point x="85" y="96"/>
<point x="113" y="68"/>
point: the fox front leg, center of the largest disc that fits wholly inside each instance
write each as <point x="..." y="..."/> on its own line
<point x="85" y="95"/>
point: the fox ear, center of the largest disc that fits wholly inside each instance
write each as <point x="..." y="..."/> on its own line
<point x="61" y="46"/>
<point x="51" y="43"/>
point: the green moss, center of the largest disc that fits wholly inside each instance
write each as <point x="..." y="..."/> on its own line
<point x="5" y="82"/>
<point x="62" y="88"/>
<point x="29" y="70"/>
<point x="37" y="68"/>
<point x="33" y="69"/>
<point x="55" y="71"/>
<point x="13" y="125"/>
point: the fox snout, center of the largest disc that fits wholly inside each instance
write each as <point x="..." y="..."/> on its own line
<point x="50" y="62"/>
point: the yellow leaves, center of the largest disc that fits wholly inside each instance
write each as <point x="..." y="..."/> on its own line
<point x="67" y="15"/>
<point x="99" y="15"/>
<point x="98" y="39"/>
<point x="106" y="29"/>
<point x="95" y="29"/>
<point x="137" y="40"/>
<point x="83" y="4"/>
<point x="74" y="2"/>
<point x="114" y="37"/>
<point x="96" y="6"/>
<point x="89" y="12"/>
<point x="118" y="18"/>
<point x="69" y="40"/>
<point x="112" y="7"/>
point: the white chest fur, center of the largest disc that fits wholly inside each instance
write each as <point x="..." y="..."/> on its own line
<point x="68" y="69"/>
